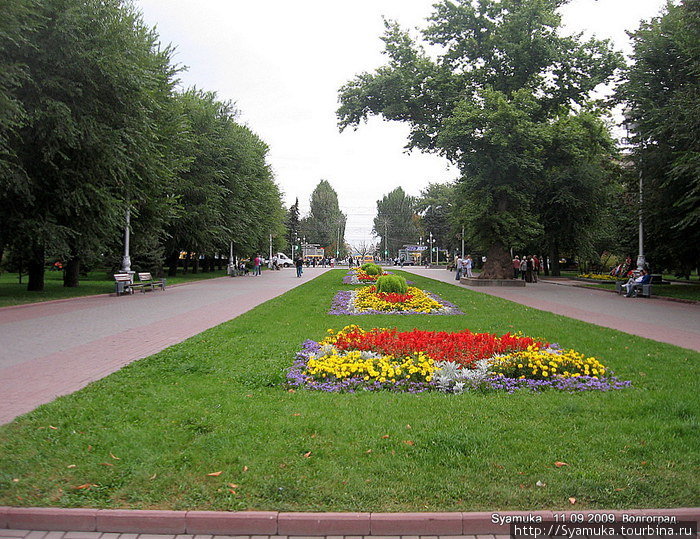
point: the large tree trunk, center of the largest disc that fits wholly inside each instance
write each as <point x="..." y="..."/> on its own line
<point x="499" y="264"/>
<point x="195" y="263"/>
<point x="173" y="261"/>
<point x="71" y="273"/>
<point x="35" y="270"/>
<point x="545" y="265"/>
<point x="186" y="263"/>
<point x="554" y="259"/>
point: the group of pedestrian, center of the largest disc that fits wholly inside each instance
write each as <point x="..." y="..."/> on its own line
<point x="464" y="267"/>
<point x="527" y="268"/>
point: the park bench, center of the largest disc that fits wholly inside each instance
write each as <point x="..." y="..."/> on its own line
<point x="643" y="290"/>
<point x="146" y="280"/>
<point x="124" y="285"/>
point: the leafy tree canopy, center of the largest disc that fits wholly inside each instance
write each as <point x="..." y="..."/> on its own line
<point x="502" y="74"/>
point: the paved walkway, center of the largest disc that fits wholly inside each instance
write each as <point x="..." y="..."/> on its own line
<point x="654" y="318"/>
<point x="55" y="348"/>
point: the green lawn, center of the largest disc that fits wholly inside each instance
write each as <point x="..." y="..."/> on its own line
<point x="680" y="291"/>
<point x="96" y="282"/>
<point x="148" y="435"/>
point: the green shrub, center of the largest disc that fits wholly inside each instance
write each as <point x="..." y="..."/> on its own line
<point x="372" y="269"/>
<point x="392" y="283"/>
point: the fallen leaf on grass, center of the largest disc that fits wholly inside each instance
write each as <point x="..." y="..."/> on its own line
<point x="115" y="458"/>
<point x="15" y="480"/>
<point x="307" y="455"/>
<point x="291" y="391"/>
<point x="559" y="464"/>
<point x="232" y="485"/>
<point x="408" y="426"/>
<point x="409" y="442"/>
<point x="572" y="501"/>
<point x="245" y="468"/>
<point x="214" y="474"/>
<point x="296" y="415"/>
<point x="153" y="476"/>
<point x="52" y="427"/>
<point x="313" y="435"/>
<point x="540" y="484"/>
<point x="368" y="451"/>
<point x="106" y="464"/>
<point x="85" y="486"/>
<point x="71" y="466"/>
<point x="499" y="466"/>
<point x="232" y="491"/>
<point x="620" y="489"/>
<point x="385" y="436"/>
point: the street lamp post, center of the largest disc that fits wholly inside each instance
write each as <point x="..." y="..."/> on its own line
<point x="631" y="126"/>
<point x="126" y="259"/>
<point x="430" y="246"/>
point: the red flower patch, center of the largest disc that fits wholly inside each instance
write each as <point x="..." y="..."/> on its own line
<point x="463" y="347"/>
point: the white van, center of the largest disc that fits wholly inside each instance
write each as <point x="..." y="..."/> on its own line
<point x="284" y="261"/>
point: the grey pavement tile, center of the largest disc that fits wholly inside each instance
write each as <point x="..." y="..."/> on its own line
<point x="128" y="536"/>
<point x="155" y="536"/>
<point x="55" y="535"/>
<point x="203" y="537"/>
<point x="82" y="535"/>
<point x="13" y="533"/>
<point x="110" y="536"/>
<point x="36" y="535"/>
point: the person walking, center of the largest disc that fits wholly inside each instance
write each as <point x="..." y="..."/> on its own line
<point x="468" y="263"/>
<point x="257" y="262"/>
<point x="523" y="267"/>
<point x="458" y="266"/>
<point x="529" y="269"/>
<point x="299" y="263"/>
<point x="536" y="272"/>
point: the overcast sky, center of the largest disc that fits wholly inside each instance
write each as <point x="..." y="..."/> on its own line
<point x="283" y="62"/>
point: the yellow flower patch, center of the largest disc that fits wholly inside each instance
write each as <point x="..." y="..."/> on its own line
<point x="367" y="300"/>
<point x="342" y="365"/>
<point x="541" y="364"/>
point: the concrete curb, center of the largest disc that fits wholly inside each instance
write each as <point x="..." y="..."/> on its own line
<point x="307" y="524"/>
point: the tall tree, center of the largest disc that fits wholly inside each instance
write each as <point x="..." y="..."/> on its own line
<point x="292" y="223"/>
<point x="395" y="222"/>
<point x="575" y="185"/>
<point x="438" y="210"/>
<point x="94" y="88"/>
<point x="662" y="92"/>
<point x="503" y="73"/>
<point x="325" y="222"/>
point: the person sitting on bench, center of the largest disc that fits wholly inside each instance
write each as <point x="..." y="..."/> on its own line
<point x="636" y="282"/>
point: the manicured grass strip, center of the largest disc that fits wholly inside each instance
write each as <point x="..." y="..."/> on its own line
<point x="148" y="435"/>
<point x="96" y="282"/>
<point x="680" y="291"/>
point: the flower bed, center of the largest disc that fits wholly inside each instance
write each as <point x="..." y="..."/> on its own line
<point x="359" y="276"/>
<point x="366" y="300"/>
<point x="598" y="277"/>
<point x="415" y="361"/>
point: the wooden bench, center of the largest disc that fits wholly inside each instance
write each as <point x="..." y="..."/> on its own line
<point x="146" y="280"/>
<point x="124" y="285"/>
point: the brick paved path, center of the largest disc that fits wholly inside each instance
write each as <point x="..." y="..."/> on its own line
<point x="55" y="348"/>
<point x="654" y="318"/>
